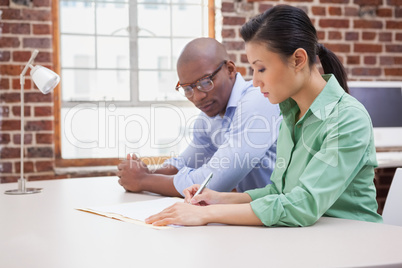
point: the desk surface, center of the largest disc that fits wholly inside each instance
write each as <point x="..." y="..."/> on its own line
<point x="44" y="230"/>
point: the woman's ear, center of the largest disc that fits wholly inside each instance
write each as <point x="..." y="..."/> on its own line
<point x="300" y="59"/>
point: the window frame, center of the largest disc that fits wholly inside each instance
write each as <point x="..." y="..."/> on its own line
<point x="57" y="102"/>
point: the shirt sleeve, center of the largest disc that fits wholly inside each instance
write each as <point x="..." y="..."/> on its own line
<point x="261" y="192"/>
<point x="324" y="179"/>
<point x="251" y="133"/>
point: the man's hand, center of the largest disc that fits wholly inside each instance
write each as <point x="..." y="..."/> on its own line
<point x="132" y="172"/>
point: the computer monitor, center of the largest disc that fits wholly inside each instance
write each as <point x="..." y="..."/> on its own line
<point x="383" y="101"/>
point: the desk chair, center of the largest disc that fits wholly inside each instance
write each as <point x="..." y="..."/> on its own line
<point x="392" y="213"/>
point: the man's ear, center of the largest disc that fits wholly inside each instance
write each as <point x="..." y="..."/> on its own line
<point x="231" y="67"/>
<point x="300" y="59"/>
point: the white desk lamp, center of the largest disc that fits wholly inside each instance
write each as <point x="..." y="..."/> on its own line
<point x="46" y="80"/>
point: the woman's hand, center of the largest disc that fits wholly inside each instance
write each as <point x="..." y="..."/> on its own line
<point x="179" y="214"/>
<point x="186" y="214"/>
<point x="206" y="197"/>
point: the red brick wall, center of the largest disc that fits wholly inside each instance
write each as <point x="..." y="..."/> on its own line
<point x="24" y="28"/>
<point x="369" y="45"/>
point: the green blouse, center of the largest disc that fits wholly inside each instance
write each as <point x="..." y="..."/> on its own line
<point x="325" y="163"/>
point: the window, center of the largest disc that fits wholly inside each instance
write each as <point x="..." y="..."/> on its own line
<point x="118" y="72"/>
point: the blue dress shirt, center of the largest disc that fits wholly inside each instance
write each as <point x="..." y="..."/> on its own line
<point x="239" y="148"/>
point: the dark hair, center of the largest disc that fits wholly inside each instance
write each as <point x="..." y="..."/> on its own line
<point x="284" y="29"/>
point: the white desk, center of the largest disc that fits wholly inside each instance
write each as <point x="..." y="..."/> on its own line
<point x="45" y="231"/>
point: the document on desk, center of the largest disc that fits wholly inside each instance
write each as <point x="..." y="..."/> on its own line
<point x="135" y="212"/>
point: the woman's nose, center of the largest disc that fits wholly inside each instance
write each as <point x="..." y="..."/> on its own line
<point x="256" y="82"/>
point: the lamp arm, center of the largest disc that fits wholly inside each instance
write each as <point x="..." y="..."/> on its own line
<point x="29" y="64"/>
<point x="22" y="181"/>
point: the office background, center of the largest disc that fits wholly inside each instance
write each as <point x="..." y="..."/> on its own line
<point x="365" y="34"/>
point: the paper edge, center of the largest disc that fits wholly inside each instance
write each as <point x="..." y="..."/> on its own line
<point x="119" y="217"/>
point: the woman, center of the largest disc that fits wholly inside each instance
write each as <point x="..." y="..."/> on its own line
<point x="325" y="154"/>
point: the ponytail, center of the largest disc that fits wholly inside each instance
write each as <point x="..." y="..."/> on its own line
<point x="331" y="64"/>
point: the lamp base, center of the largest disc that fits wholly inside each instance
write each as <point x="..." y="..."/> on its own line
<point x="27" y="191"/>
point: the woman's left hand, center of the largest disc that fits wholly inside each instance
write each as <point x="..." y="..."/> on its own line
<point x="179" y="214"/>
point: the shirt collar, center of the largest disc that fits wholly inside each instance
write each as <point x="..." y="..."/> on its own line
<point x="323" y="104"/>
<point x="235" y="96"/>
<point x="237" y="91"/>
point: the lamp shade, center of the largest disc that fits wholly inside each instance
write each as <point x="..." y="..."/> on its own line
<point x="46" y="80"/>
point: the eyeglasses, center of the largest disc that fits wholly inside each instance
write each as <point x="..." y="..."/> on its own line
<point x="203" y="84"/>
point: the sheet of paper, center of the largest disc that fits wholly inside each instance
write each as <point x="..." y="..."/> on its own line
<point x="135" y="212"/>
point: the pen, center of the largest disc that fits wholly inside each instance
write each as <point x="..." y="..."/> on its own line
<point x="203" y="185"/>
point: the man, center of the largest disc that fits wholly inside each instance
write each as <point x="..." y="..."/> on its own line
<point x="234" y="135"/>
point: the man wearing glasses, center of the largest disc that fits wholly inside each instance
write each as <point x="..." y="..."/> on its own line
<point x="234" y="137"/>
